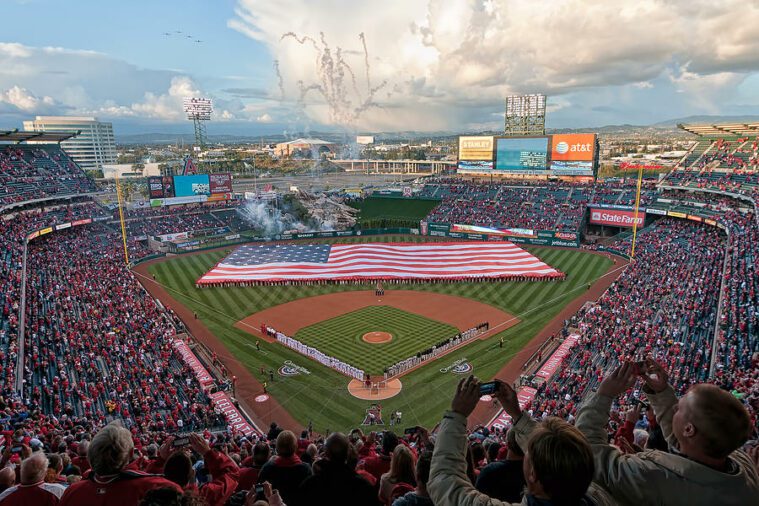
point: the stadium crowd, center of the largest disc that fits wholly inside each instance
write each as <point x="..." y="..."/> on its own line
<point x="109" y="414"/>
<point x="35" y="172"/>
<point x="545" y="205"/>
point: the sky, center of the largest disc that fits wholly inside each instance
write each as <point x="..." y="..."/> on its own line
<point x="295" y="66"/>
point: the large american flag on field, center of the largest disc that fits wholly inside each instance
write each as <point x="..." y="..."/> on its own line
<point x="376" y="261"/>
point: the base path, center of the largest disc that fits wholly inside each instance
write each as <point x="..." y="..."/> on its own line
<point x="377" y="337"/>
<point x="359" y="390"/>
<point x="458" y="312"/>
<point x="485" y="411"/>
<point x="247" y="387"/>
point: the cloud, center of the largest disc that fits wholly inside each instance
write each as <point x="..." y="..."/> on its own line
<point x="438" y="56"/>
<point x="23" y="100"/>
<point x="264" y="118"/>
<point x="247" y="92"/>
<point x="167" y="106"/>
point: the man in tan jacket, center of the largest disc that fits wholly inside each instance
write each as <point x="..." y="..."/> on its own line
<point x="558" y="464"/>
<point x="704" y="429"/>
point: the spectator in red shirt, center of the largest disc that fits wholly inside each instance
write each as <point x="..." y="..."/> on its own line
<point x="223" y="470"/>
<point x="380" y="464"/>
<point x="110" y="483"/>
<point x="33" y="489"/>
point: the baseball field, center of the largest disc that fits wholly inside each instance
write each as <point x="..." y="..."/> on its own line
<point x="320" y="394"/>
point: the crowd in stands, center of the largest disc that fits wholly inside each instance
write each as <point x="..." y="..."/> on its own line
<point x="186" y="218"/>
<point x="84" y="317"/>
<point x="109" y="414"/>
<point x="544" y="205"/>
<point x="33" y="172"/>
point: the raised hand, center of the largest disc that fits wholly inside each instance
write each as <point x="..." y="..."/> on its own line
<point x="466" y="397"/>
<point x="507" y="396"/>
<point x="622" y="378"/>
<point x="655" y="376"/>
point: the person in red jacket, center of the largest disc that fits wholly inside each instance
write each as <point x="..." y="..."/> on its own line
<point x="110" y="483"/>
<point x="223" y="471"/>
<point x="33" y="489"/>
<point x="380" y="464"/>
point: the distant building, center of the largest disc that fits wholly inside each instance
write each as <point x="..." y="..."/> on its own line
<point x="305" y="148"/>
<point x="92" y="148"/>
<point x="126" y="170"/>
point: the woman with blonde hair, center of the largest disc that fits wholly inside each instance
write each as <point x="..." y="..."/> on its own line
<point x="401" y="471"/>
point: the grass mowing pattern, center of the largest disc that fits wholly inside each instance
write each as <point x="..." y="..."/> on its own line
<point x="407" y="209"/>
<point x="341" y="337"/>
<point x="322" y="396"/>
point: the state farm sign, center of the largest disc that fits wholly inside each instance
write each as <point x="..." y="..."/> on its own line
<point x="616" y="218"/>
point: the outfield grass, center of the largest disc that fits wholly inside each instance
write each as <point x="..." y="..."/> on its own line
<point x="322" y="396"/>
<point x="390" y="208"/>
<point x="341" y="337"/>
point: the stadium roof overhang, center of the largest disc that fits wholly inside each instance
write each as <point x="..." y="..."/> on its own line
<point x="16" y="137"/>
<point x="723" y="129"/>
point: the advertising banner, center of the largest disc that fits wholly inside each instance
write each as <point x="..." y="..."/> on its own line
<point x="475" y="166"/>
<point x="573" y="154"/>
<point x="573" y="147"/>
<point x="521" y="154"/>
<point x="155" y="187"/>
<point x="661" y="212"/>
<point x="218" y="197"/>
<point x="676" y="214"/>
<point x="194" y="185"/>
<point x="525" y="395"/>
<point x="551" y="365"/>
<point x="616" y="218"/>
<point x="173" y="237"/>
<point x="63" y="226"/>
<point x="508" y="232"/>
<point x="46" y="230"/>
<point x="188" y="357"/>
<point x="223" y="403"/>
<point x="220" y="183"/>
<point x="476" y="148"/>
<point x="168" y="186"/>
<point x="181" y="200"/>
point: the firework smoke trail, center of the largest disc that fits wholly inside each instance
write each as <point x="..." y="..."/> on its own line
<point x="366" y="61"/>
<point x="279" y="80"/>
<point x="331" y="69"/>
<point x="299" y="40"/>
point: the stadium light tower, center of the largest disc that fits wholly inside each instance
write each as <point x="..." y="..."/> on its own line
<point x="199" y="111"/>
<point x="525" y="115"/>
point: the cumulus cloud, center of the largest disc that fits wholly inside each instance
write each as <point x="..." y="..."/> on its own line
<point x="167" y="106"/>
<point x="435" y="54"/>
<point x="264" y="118"/>
<point x="22" y="99"/>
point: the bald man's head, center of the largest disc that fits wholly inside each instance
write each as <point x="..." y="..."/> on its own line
<point x="7" y="478"/>
<point x="721" y="422"/>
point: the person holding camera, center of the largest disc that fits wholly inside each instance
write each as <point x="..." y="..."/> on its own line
<point x="558" y="463"/>
<point x="705" y="430"/>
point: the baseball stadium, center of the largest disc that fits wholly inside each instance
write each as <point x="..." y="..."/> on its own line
<point x="479" y="318"/>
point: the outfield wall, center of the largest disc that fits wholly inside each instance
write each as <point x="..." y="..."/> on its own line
<point x="515" y="235"/>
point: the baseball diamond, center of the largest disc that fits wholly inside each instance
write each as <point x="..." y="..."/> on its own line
<point x="322" y="396"/>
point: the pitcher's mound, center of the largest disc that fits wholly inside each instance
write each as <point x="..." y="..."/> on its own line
<point x="377" y="337"/>
<point x="375" y="392"/>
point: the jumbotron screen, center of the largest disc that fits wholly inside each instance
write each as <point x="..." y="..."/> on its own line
<point x="521" y="154"/>
<point x="558" y="154"/>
